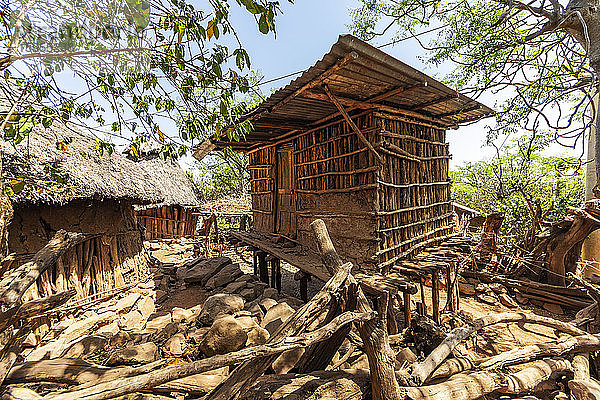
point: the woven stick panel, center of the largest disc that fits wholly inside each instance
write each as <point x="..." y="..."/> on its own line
<point x="167" y="222"/>
<point x="334" y="160"/>
<point x="262" y="181"/>
<point x="414" y="189"/>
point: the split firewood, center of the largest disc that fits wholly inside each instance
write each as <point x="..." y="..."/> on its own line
<point x="73" y="371"/>
<point x="477" y="384"/>
<point x="520" y="355"/>
<point x="119" y="387"/>
<point x="421" y="371"/>
<point x="582" y="386"/>
<point x="15" y="284"/>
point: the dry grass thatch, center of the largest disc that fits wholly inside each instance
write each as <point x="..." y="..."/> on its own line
<point x="89" y="175"/>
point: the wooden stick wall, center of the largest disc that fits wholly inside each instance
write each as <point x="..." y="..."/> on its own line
<point x="262" y="181"/>
<point x="95" y="265"/>
<point x="414" y="188"/>
<point x="377" y="213"/>
<point x="167" y="222"/>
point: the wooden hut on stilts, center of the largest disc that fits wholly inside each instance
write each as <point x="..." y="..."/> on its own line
<point x="359" y="141"/>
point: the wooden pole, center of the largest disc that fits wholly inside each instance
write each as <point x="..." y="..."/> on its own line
<point x="352" y="124"/>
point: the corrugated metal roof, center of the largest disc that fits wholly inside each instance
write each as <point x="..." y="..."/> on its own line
<point x="361" y="77"/>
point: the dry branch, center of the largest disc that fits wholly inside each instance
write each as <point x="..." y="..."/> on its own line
<point x="421" y="371"/>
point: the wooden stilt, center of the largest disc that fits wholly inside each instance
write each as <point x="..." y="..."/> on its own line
<point x="304" y="278"/>
<point x="406" y="309"/>
<point x="392" y="325"/>
<point x="435" y="295"/>
<point x="255" y="260"/>
<point x="262" y="266"/>
<point x="423" y="302"/>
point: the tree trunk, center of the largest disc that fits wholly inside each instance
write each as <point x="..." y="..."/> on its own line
<point x="6" y="213"/>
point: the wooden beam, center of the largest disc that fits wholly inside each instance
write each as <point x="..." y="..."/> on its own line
<point x="352" y="124"/>
<point x="393" y="92"/>
<point x="435" y="101"/>
<point x="275" y="125"/>
<point x="461" y="111"/>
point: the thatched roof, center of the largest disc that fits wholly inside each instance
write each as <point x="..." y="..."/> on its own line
<point x="175" y="185"/>
<point x="90" y="176"/>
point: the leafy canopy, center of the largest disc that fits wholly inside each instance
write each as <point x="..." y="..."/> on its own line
<point x="537" y="56"/>
<point x="513" y="181"/>
<point x="132" y="68"/>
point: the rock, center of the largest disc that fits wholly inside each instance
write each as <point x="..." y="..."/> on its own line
<point x="286" y="361"/>
<point x="486" y="298"/>
<point x="553" y="308"/>
<point x="110" y="329"/>
<point x="176" y="345"/>
<point x="146" y="306"/>
<point x="227" y="275"/>
<point x="259" y="288"/>
<point x="85" y="345"/>
<point x="257" y="312"/>
<point x="235" y="287"/>
<point x="405" y="356"/>
<point x="164" y="283"/>
<point x="507" y="301"/>
<point x="246" y="278"/>
<point x="247" y="322"/>
<point x="292" y="302"/>
<point x="271" y="293"/>
<point x="120" y="339"/>
<point x="197" y="334"/>
<point x="224" y="336"/>
<point x="181" y="314"/>
<point x="248" y="294"/>
<point x="137" y="354"/>
<point x="497" y="288"/>
<point x="267" y="303"/>
<point x="276" y="316"/>
<point x="203" y="270"/>
<point x="257" y="336"/>
<point x="219" y="304"/>
<point x="160" y="295"/>
<point x="131" y="321"/>
<point x="158" y="323"/>
<point x="126" y="303"/>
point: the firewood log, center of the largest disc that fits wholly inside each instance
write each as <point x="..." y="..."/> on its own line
<point x="421" y="371"/>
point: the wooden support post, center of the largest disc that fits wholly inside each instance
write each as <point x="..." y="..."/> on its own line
<point x="275" y="272"/>
<point x="449" y="289"/>
<point x="420" y="310"/>
<point x="423" y="302"/>
<point x="392" y="324"/>
<point x="435" y="296"/>
<point x="406" y="301"/>
<point x="303" y="278"/>
<point x="262" y="266"/>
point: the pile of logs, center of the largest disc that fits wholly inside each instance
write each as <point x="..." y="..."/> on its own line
<point x="316" y="339"/>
